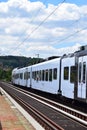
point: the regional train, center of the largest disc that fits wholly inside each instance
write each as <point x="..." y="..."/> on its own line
<point x="65" y="76"/>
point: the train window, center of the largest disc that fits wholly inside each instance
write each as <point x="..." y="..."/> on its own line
<point x="66" y="73"/>
<point x="21" y="75"/>
<point x="84" y="71"/>
<point x="46" y="75"/>
<point x="28" y="75"/>
<point x="24" y="75"/>
<point x="55" y="73"/>
<point x="50" y="74"/>
<point x="73" y="74"/>
<point x="80" y="72"/>
<point x="33" y="75"/>
<point x="16" y="76"/>
<point x="36" y="75"/>
<point x="40" y="75"/>
<point x="43" y="75"/>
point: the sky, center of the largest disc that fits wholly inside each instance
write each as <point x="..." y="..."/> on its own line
<point x="42" y="28"/>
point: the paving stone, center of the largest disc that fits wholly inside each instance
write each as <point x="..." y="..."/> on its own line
<point x="11" y="118"/>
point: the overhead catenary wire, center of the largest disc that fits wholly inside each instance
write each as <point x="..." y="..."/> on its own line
<point x="59" y="41"/>
<point x="36" y="13"/>
<point x="28" y="36"/>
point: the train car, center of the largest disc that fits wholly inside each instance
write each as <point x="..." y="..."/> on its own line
<point x="15" y="76"/>
<point x="74" y="75"/>
<point x="66" y="75"/>
<point x="81" y="79"/>
<point x="45" y="76"/>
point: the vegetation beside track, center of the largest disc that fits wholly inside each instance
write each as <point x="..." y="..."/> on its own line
<point x="8" y="63"/>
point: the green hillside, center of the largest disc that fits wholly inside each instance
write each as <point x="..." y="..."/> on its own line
<point x="7" y="63"/>
<point x="17" y="61"/>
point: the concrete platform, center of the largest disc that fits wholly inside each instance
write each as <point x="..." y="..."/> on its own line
<point x="11" y="118"/>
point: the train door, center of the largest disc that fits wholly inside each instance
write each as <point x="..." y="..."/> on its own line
<point x="26" y="77"/>
<point x="30" y="78"/>
<point x="81" y="92"/>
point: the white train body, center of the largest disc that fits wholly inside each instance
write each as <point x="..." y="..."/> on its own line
<point x="66" y="75"/>
<point x="46" y="76"/>
<point x="67" y="86"/>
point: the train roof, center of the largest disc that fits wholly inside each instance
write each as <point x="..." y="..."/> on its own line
<point x="48" y="61"/>
<point x="81" y="52"/>
<point x="38" y="64"/>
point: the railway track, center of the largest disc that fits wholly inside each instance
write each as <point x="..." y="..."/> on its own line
<point x="47" y="116"/>
<point x="79" y="116"/>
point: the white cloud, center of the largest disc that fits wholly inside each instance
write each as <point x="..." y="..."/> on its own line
<point x="3" y="7"/>
<point x="22" y="31"/>
<point x="65" y="12"/>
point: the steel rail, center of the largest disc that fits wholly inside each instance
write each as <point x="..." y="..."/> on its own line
<point x="41" y="118"/>
<point x="49" y="106"/>
<point x="61" y="107"/>
<point x="80" y="117"/>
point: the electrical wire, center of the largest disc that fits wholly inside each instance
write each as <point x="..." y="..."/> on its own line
<point x="30" y="22"/>
<point x="63" y="39"/>
<point x="28" y="36"/>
